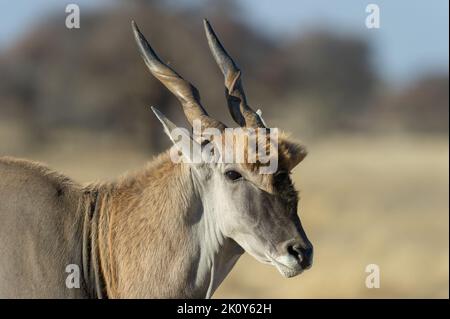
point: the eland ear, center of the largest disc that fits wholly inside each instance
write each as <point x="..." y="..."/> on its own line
<point x="180" y="137"/>
<point x="292" y="153"/>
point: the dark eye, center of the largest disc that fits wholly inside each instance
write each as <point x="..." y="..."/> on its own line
<point x="233" y="175"/>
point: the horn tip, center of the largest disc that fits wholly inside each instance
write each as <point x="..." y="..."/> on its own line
<point x="207" y="25"/>
<point x="136" y="30"/>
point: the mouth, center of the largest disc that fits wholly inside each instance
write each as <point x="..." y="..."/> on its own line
<point x="287" y="265"/>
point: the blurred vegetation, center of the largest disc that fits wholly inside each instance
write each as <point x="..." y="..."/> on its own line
<point x="93" y="79"/>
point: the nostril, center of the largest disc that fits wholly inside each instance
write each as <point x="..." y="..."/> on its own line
<point x="296" y="251"/>
<point x="302" y="252"/>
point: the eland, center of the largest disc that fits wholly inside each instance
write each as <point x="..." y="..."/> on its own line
<point x="170" y="230"/>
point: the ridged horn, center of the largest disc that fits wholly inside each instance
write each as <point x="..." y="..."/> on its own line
<point x="241" y="112"/>
<point x="185" y="92"/>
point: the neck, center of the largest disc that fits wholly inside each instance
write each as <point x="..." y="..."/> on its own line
<point x="158" y="239"/>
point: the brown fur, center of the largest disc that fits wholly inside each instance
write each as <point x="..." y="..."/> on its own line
<point x="142" y="208"/>
<point x="143" y="228"/>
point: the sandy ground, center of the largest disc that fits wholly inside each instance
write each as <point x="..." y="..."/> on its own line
<point x="377" y="200"/>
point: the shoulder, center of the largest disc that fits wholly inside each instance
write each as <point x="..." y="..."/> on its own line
<point x="30" y="172"/>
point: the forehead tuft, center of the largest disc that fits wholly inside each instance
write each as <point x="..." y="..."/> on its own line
<point x="286" y="151"/>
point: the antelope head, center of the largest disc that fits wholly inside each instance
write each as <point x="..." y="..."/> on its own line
<point x="258" y="211"/>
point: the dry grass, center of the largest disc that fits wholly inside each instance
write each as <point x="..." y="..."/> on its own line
<point x="376" y="200"/>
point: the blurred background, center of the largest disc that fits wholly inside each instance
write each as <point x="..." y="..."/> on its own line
<point x="371" y="105"/>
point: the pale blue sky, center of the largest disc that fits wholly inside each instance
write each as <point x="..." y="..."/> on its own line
<point x="413" y="37"/>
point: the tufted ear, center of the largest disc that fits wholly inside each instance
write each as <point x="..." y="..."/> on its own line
<point x="291" y="153"/>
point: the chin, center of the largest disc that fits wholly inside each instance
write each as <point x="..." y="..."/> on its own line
<point x="289" y="272"/>
<point x="287" y="266"/>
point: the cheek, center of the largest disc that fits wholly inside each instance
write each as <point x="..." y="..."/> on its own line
<point x="248" y="205"/>
<point x="224" y="198"/>
<point x="234" y="204"/>
<point x="267" y="216"/>
<point x="242" y="197"/>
